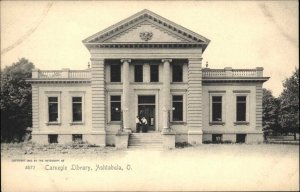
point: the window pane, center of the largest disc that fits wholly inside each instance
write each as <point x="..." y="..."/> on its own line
<point x="146" y="99"/>
<point x="77" y="112"/>
<point x="241" y="111"/>
<point x="177" y="73"/>
<point x="177" y="98"/>
<point x="53" y="112"/>
<point x="217" y="108"/>
<point x="241" y="98"/>
<point x="115" y="108"/>
<point x="76" y="99"/>
<point x="178" y="111"/>
<point x="217" y="99"/>
<point x="138" y="73"/>
<point x="115" y="98"/>
<point x="115" y="73"/>
<point x="115" y="113"/>
<point x="154" y="73"/>
<point x="52" y="99"/>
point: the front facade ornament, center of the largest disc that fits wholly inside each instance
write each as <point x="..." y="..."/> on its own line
<point x="146" y="36"/>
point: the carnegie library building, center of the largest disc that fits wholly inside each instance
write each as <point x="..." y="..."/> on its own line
<point x="147" y="66"/>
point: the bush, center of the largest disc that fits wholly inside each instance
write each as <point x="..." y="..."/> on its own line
<point x="207" y="142"/>
<point x="182" y="144"/>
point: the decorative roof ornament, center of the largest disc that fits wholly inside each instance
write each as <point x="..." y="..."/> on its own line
<point x="146" y="36"/>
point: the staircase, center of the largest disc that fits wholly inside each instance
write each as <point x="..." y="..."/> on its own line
<point x="152" y="141"/>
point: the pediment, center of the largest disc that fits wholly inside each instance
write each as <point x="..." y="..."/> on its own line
<point x="146" y="27"/>
<point x="146" y="32"/>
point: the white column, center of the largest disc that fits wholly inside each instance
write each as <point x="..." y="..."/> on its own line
<point x="125" y="102"/>
<point x="166" y="93"/>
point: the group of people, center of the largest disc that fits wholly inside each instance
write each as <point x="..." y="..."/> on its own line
<point x="141" y="124"/>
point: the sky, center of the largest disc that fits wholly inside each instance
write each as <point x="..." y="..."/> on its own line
<point x="243" y="34"/>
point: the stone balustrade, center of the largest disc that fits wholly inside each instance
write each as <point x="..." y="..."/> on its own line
<point x="61" y="74"/>
<point x="229" y="72"/>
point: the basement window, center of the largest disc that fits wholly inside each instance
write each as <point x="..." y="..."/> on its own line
<point x="241" y="138"/>
<point x="52" y="138"/>
<point x="216" y="138"/>
<point x="77" y="138"/>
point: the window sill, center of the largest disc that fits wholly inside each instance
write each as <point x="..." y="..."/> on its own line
<point x="241" y="123"/>
<point x="114" y="123"/>
<point x="217" y="123"/>
<point x="53" y="123"/>
<point x="178" y="123"/>
<point x="76" y="123"/>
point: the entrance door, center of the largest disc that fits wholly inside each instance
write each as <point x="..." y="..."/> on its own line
<point x="146" y="108"/>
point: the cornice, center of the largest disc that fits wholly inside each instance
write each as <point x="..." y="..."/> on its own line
<point x="153" y="18"/>
<point x="58" y="81"/>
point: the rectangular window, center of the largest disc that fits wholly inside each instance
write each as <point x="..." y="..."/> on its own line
<point x="138" y="73"/>
<point x="77" y="109"/>
<point x="241" y="108"/>
<point x="115" y="108"/>
<point x="177" y="73"/>
<point x="154" y="73"/>
<point x="217" y="108"/>
<point x="177" y="108"/>
<point x="115" y="73"/>
<point x="217" y="138"/>
<point x="52" y="138"/>
<point x="240" y="138"/>
<point x="53" y="109"/>
<point x="77" y="138"/>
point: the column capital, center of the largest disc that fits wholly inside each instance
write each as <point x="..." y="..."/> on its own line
<point x="125" y="60"/>
<point x="166" y="60"/>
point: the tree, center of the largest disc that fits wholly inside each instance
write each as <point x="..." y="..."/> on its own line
<point x="289" y="104"/>
<point x="270" y="112"/>
<point x="15" y="100"/>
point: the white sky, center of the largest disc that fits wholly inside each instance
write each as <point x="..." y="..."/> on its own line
<point x="243" y="34"/>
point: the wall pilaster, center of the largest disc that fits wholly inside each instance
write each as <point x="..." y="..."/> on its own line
<point x="98" y="95"/>
<point x="194" y="100"/>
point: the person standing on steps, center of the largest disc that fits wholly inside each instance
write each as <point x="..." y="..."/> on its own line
<point x="138" y="124"/>
<point x="145" y="124"/>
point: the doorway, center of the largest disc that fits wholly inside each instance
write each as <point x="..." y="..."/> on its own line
<point x="146" y="108"/>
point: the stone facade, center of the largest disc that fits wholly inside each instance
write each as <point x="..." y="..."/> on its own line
<point x="95" y="105"/>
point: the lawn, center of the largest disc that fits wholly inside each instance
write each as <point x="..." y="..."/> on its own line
<point x="206" y="167"/>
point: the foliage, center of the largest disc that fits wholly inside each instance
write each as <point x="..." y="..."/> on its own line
<point x="289" y="104"/>
<point x="15" y="101"/>
<point x="270" y="112"/>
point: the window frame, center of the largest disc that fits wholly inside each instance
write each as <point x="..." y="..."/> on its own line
<point x="184" y="105"/>
<point x="77" y="94"/>
<point x="221" y="94"/>
<point x="53" y="94"/>
<point x="110" y="72"/>
<point x="157" y="66"/>
<point x="247" y="95"/>
<point x="142" y="71"/>
<point x="172" y="116"/>
<point x="109" y="120"/>
<point x="181" y="65"/>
